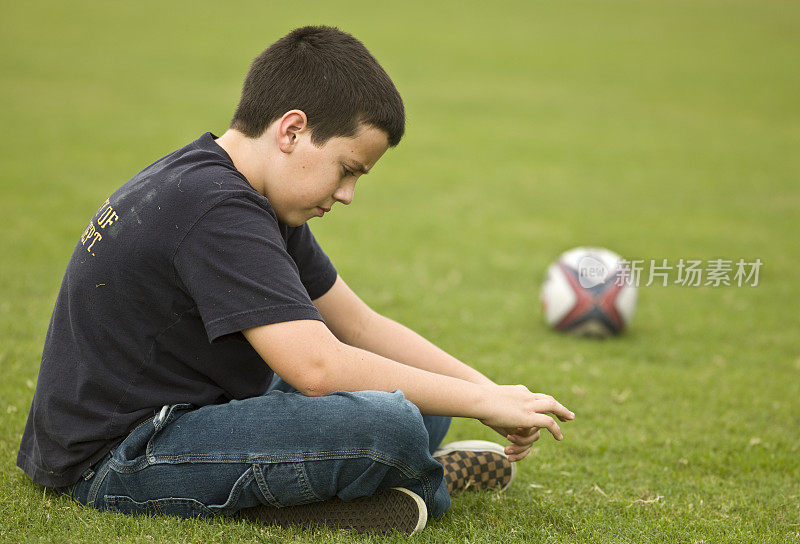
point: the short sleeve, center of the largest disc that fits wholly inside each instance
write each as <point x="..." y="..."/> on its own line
<point x="235" y="265"/>
<point x="316" y="270"/>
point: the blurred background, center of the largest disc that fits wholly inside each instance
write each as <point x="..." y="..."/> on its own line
<point x="660" y="130"/>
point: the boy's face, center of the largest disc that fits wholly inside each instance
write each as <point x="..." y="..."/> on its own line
<point x="307" y="180"/>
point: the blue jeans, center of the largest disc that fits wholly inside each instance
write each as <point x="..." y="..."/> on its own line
<point x="279" y="449"/>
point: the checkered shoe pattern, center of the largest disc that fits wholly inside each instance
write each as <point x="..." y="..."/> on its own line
<point x="465" y="470"/>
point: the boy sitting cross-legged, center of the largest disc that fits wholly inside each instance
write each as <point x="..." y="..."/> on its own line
<point x="198" y="282"/>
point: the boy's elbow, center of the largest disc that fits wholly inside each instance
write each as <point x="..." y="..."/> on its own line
<point x="304" y="353"/>
<point x="322" y="374"/>
<point x="315" y="389"/>
<point x="314" y="384"/>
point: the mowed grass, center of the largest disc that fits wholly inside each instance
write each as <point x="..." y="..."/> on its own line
<point x="661" y="130"/>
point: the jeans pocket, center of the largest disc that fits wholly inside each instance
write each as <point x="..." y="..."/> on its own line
<point x="134" y="453"/>
<point x="170" y="413"/>
<point x="172" y="506"/>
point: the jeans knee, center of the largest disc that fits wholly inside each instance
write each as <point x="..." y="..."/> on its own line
<point x="389" y="421"/>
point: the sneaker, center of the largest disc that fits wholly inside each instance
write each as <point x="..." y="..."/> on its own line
<point x="475" y="464"/>
<point x="394" y="509"/>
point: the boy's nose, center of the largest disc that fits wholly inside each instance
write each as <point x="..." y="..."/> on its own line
<point x="344" y="194"/>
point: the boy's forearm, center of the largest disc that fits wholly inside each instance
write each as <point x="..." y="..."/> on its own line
<point x="394" y="341"/>
<point x="503" y="408"/>
<point x="351" y="368"/>
<point x="308" y="356"/>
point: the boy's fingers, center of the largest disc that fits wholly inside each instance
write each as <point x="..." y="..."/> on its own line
<point x="525" y="440"/>
<point x="518" y="456"/>
<point x="515" y="449"/>
<point x="552" y="406"/>
<point x="551" y="426"/>
<point x="522" y="431"/>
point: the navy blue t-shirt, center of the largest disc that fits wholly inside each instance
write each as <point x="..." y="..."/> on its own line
<point x="169" y="271"/>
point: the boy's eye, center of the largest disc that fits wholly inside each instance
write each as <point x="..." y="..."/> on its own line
<point x="348" y="172"/>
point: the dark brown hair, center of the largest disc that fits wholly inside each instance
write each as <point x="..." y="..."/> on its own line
<point x="329" y="75"/>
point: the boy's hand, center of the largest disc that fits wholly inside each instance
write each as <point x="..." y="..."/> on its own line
<point x="518" y="415"/>
<point x="522" y="440"/>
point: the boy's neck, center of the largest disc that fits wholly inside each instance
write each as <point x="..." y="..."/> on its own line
<point x="244" y="151"/>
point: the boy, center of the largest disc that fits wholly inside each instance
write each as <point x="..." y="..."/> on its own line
<point x="198" y="282"/>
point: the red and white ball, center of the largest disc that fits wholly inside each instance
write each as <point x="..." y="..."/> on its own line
<point x="587" y="292"/>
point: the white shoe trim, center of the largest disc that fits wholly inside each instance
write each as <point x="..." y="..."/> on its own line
<point x="470" y="445"/>
<point x="421" y="507"/>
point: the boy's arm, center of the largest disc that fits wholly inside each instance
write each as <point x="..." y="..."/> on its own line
<point x="307" y="355"/>
<point x="356" y="324"/>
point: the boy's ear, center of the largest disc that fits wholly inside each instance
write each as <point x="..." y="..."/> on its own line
<point x="289" y="128"/>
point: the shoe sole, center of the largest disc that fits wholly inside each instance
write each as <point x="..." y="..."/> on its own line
<point x="395" y="509"/>
<point x="478" y="446"/>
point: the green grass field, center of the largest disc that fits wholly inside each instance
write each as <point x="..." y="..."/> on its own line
<point x="661" y="130"/>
